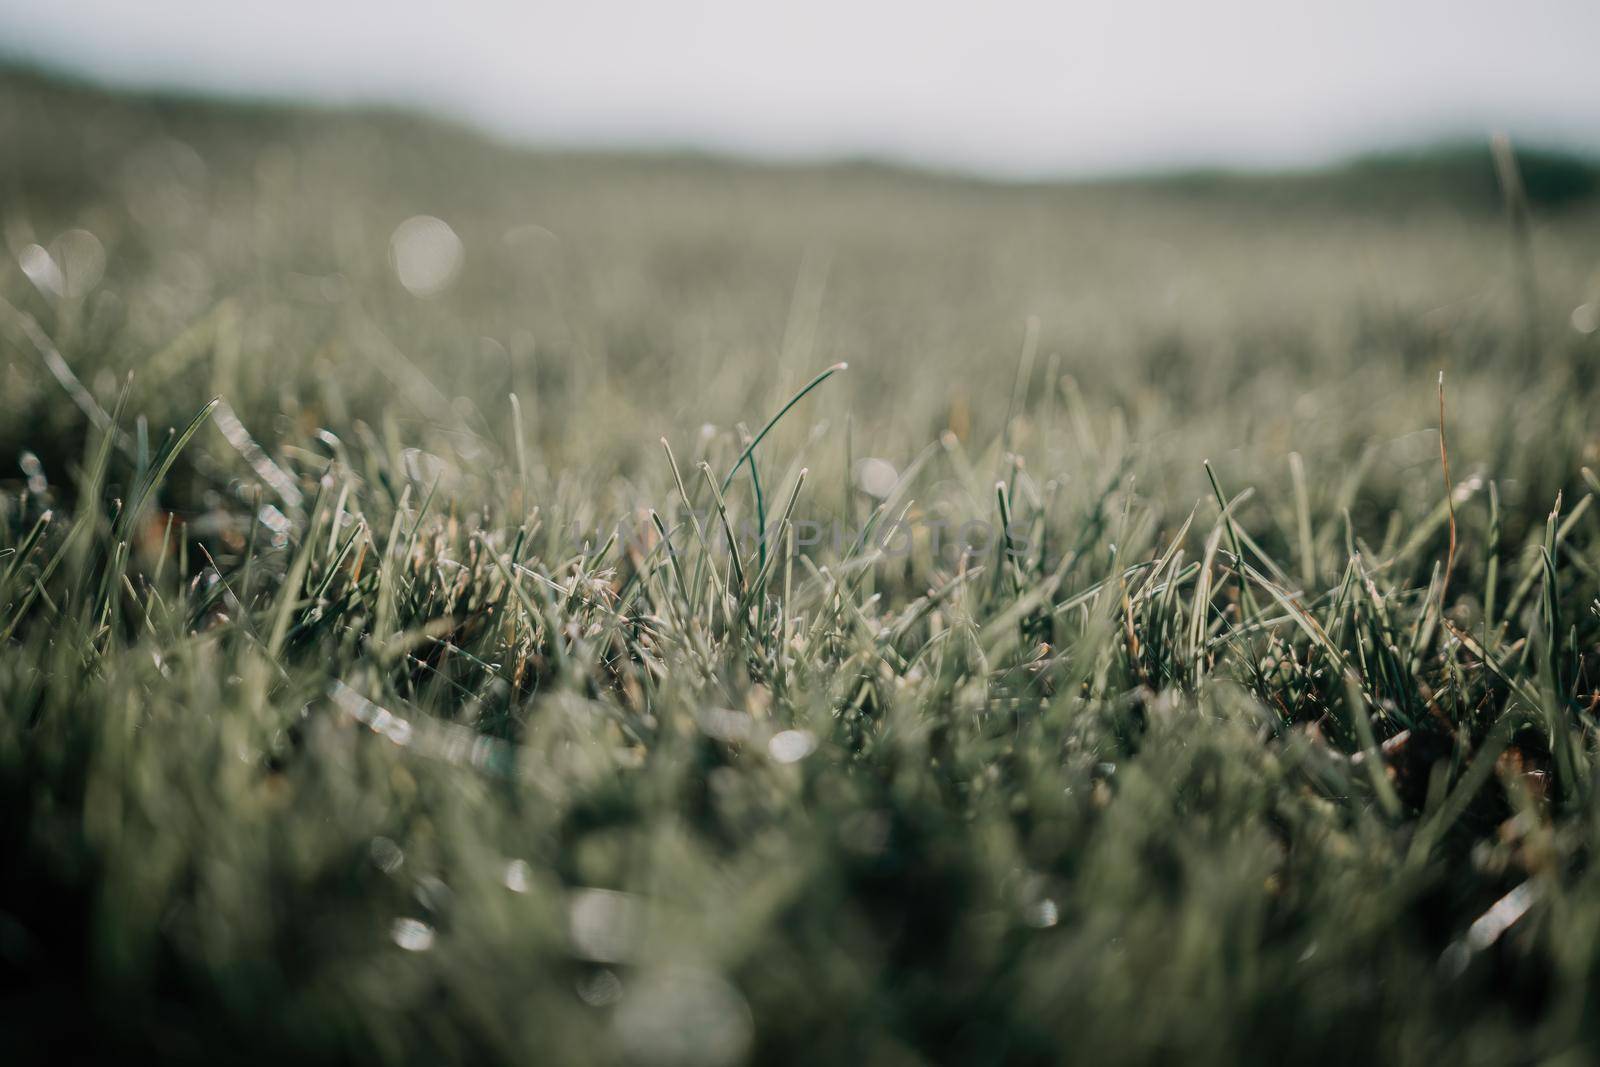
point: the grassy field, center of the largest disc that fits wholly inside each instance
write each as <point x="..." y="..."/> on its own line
<point x="392" y="669"/>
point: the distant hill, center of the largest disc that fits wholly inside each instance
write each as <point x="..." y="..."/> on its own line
<point x="1460" y="176"/>
<point x="1455" y="176"/>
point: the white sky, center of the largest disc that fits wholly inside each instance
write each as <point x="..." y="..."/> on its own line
<point x="1004" y="85"/>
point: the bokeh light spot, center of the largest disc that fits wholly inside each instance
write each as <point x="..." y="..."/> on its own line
<point x="426" y="255"/>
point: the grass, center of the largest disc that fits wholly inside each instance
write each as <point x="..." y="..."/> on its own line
<point x="337" y="724"/>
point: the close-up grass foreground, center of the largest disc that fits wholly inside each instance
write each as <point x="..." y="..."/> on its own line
<point x="456" y="605"/>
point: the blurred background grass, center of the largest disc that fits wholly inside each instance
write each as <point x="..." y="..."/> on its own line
<point x="659" y="293"/>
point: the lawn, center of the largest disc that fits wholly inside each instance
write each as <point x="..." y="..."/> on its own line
<point x="461" y="603"/>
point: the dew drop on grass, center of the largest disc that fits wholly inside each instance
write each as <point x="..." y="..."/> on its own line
<point x="1042" y="914"/>
<point x="791" y="746"/>
<point x="398" y="731"/>
<point x="42" y="270"/>
<point x="726" y="725"/>
<point x="600" y="988"/>
<point x="1586" y="317"/>
<point x="386" y="855"/>
<point x="604" y="925"/>
<point x="433" y="894"/>
<point x="684" y="1015"/>
<point x="412" y="935"/>
<point x="518" y="876"/>
<point x="426" y="254"/>
<point x="34" y="470"/>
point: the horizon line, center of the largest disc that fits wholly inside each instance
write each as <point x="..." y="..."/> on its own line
<point x="1445" y="138"/>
